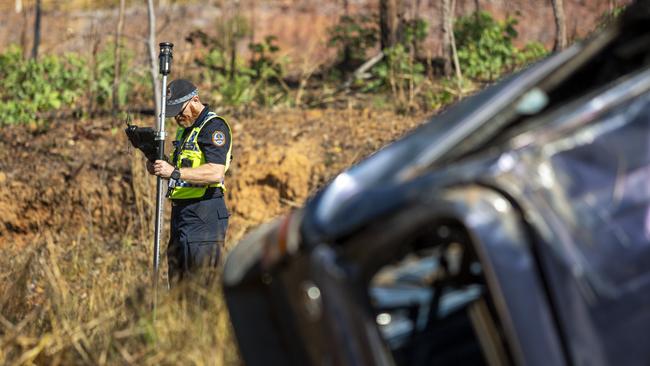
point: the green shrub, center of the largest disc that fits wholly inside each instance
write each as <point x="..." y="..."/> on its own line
<point x="446" y="91"/>
<point x="400" y="74"/>
<point x="485" y="46"/>
<point x="101" y="84"/>
<point x="531" y="52"/>
<point x="415" y="32"/>
<point x="31" y="87"/>
<point x="609" y="16"/>
<point x="238" y="90"/>
<point x="352" y="37"/>
<point x="264" y="54"/>
<point x="227" y="73"/>
<point x="269" y="71"/>
<point x="234" y="88"/>
<point x="260" y="81"/>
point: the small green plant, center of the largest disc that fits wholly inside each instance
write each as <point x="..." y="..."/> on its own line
<point x="399" y="74"/>
<point x="609" y="16"/>
<point x="238" y="90"/>
<point x="486" y="49"/>
<point x="404" y="75"/>
<point x="531" y="52"/>
<point x="239" y="83"/>
<point x="101" y="83"/>
<point x="235" y="88"/>
<point x="415" y="32"/>
<point x="352" y="36"/>
<point x="445" y="91"/>
<point x="269" y="70"/>
<point x="263" y="55"/>
<point x="31" y="87"/>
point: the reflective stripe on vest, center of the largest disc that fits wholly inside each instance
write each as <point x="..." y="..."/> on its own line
<point x="190" y="150"/>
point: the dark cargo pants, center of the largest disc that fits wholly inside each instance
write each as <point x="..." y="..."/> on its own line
<point x="198" y="231"/>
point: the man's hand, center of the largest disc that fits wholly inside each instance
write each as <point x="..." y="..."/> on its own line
<point x="162" y="169"/>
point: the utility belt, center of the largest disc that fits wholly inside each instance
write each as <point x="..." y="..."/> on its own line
<point x="182" y="183"/>
<point x="210" y="193"/>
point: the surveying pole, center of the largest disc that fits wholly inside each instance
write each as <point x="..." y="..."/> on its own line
<point x="165" y="67"/>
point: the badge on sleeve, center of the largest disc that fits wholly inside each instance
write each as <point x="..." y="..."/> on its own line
<point x="218" y="138"/>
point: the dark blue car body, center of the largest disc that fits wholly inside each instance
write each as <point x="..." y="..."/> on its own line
<point x="542" y="180"/>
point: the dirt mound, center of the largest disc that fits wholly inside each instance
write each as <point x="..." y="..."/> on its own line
<point x="80" y="178"/>
<point x="269" y="181"/>
<point x="76" y="232"/>
<point x="68" y="178"/>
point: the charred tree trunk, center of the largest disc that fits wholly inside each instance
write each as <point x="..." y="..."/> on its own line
<point x="151" y="43"/>
<point x="233" y="39"/>
<point x="347" y="51"/>
<point x="454" y="52"/>
<point x="447" y="29"/>
<point x="612" y="5"/>
<point x="449" y="42"/>
<point x="24" y="29"/>
<point x="560" y="25"/>
<point x="251" y="35"/>
<point x="415" y="43"/>
<point x="118" y="56"/>
<point x="37" y="29"/>
<point x="390" y="12"/>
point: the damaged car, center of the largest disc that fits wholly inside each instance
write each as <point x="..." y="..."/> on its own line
<point x="512" y="229"/>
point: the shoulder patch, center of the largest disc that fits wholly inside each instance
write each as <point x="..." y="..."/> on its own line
<point x="218" y="138"/>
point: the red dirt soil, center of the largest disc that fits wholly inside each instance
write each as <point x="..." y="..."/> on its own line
<point x="80" y="178"/>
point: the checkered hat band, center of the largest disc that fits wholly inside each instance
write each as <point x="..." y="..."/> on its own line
<point x="183" y="98"/>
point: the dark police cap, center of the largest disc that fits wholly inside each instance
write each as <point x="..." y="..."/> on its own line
<point x="178" y="92"/>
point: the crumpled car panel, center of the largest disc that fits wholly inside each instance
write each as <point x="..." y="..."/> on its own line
<point x="586" y="192"/>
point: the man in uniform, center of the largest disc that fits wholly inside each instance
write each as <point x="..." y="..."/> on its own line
<point x="198" y="162"/>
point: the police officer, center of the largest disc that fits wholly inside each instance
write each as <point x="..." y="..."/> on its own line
<point x="199" y="160"/>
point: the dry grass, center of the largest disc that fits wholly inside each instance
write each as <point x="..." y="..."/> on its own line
<point x="79" y="302"/>
<point x="76" y="263"/>
<point x="85" y="300"/>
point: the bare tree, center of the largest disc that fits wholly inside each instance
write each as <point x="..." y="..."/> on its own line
<point x="253" y="23"/>
<point x="93" y="40"/>
<point x="234" y="38"/>
<point x="118" y="56"/>
<point x="447" y="25"/>
<point x="449" y="41"/>
<point x="347" y="51"/>
<point x="37" y="29"/>
<point x="454" y="52"/>
<point x="415" y="16"/>
<point x="390" y="14"/>
<point x="24" y="28"/>
<point x="151" y="43"/>
<point x="560" y="25"/>
<point x="612" y="5"/>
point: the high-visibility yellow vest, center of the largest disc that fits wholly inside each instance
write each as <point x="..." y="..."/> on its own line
<point x="190" y="150"/>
